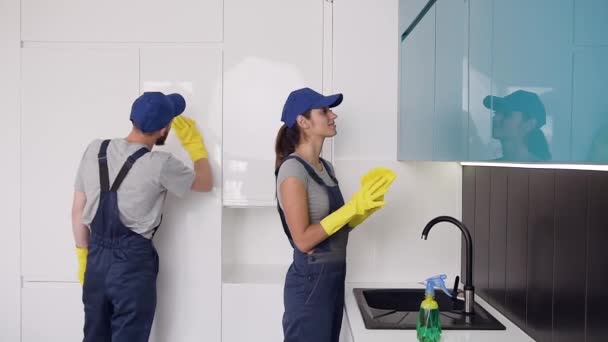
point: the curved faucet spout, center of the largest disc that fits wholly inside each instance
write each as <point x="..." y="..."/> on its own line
<point x="468" y="283"/>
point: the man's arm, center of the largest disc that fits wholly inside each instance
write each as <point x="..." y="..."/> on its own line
<point x="203" y="180"/>
<point x="81" y="231"/>
<point x="192" y="141"/>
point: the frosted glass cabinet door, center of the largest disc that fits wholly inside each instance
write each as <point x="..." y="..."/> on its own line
<point x="590" y="82"/>
<point x="266" y="55"/>
<point x="417" y="88"/>
<point x="590" y="107"/>
<point x="70" y="97"/>
<point x="538" y="77"/>
<point x="451" y="74"/>
<point x="531" y="80"/>
<point x="433" y="79"/>
<point x="480" y="144"/>
<point x="528" y="87"/>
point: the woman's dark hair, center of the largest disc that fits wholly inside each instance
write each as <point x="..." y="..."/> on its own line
<point x="538" y="145"/>
<point x="287" y="140"/>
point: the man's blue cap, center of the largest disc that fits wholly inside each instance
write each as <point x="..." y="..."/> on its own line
<point x="153" y="111"/>
<point x="302" y="100"/>
<point x="519" y="101"/>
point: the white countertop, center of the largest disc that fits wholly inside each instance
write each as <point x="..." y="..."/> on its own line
<point x="361" y="334"/>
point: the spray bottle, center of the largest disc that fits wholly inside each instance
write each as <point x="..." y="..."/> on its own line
<point x="428" y="327"/>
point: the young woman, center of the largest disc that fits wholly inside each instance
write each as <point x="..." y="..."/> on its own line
<point x="315" y="218"/>
<point x="517" y="121"/>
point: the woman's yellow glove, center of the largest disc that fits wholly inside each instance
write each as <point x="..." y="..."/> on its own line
<point x="190" y="137"/>
<point x="82" y="254"/>
<point x="367" y="179"/>
<point x="367" y="198"/>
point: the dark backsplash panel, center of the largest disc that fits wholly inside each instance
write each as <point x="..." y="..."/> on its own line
<point x="540" y="252"/>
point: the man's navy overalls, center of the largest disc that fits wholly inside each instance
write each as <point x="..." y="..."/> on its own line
<point x="119" y="291"/>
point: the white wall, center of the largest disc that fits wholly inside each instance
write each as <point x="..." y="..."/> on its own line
<point x="9" y="172"/>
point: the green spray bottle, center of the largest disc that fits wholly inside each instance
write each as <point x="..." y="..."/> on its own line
<point x="428" y="327"/>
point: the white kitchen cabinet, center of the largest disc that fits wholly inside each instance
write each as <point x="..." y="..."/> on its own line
<point x="52" y="311"/>
<point x="10" y="263"/>
<point x="189" y="241"/>
<point x="121" y="21"/>
<point x="252" y="312"/>
<point x="271" y="47"/>
<point x="70" y="96"/>
<point x="252" y="304"/>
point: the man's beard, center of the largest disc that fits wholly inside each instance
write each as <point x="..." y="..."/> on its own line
<point x="161" y="140"/>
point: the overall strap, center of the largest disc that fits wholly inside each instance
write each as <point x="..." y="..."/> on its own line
<point x="127" y="166"/>
<point x="102" y="159"/>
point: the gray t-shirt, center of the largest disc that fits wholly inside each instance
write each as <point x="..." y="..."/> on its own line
<point x="318" y="201"/>
<point x="142" y="194"/>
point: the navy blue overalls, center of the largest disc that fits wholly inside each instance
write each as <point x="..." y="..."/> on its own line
<point x="314" y="285"/>
<point x="119" y="292"/>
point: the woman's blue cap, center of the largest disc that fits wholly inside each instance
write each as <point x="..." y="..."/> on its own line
<point x="302" y="100"/>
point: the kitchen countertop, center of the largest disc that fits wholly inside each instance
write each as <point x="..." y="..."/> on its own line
<point x="361" y="334"/>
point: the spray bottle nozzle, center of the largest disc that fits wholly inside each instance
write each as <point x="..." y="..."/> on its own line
<point x="437" y="281"/>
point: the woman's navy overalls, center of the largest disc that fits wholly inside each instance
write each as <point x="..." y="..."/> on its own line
<point x="314" y="285"/>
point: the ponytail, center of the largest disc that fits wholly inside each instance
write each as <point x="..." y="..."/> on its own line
<point x="538" y="145"/>
<point x="287" y="140"/>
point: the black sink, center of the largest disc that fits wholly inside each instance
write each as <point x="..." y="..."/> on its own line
<point x="398" y="309"/>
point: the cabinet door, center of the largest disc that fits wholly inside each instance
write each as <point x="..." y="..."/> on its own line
<point x="480" y="145"/>
<point x="189" y="281"/>
<point x="70" y="96"/>
<point x="463" y="53"/>
<point x="271" y="47"/>
<point x="451" y="75"/>
<point x="417" y="87"/>
<point x="252" y="312"/>
<point x="255" y="311"/>
<point x="121" y="21"/>
<point x="433" y="79"/>
<point x="532" y="52"/>
<point x="52" y="312"/>
<point x="590" y="104"/>
<point x="590" y="82"/>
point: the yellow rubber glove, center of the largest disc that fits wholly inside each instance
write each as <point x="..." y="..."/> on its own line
<point x="367" y="179"/>
<point x="190" y="137"/>
<point x="82" y="254"/>
<point x="367" y="198"/>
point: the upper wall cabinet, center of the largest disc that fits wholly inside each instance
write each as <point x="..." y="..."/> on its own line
<point x="271" y="47"/>
<point x="432" y="74"/>
<point x="121" y="21"/>
<point x="506" y="80"/>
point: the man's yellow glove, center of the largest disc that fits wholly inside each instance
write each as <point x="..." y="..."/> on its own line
<point x="190" y="137"/>
<point x="82" y="254"/>
<point x="367" y="198"/>
<point x="367" y="179"/>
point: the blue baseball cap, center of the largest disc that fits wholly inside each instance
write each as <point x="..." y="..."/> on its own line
<point x="153" y="111"/>
<point x="302" y="100"/>
<point x="519" y="101"/>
